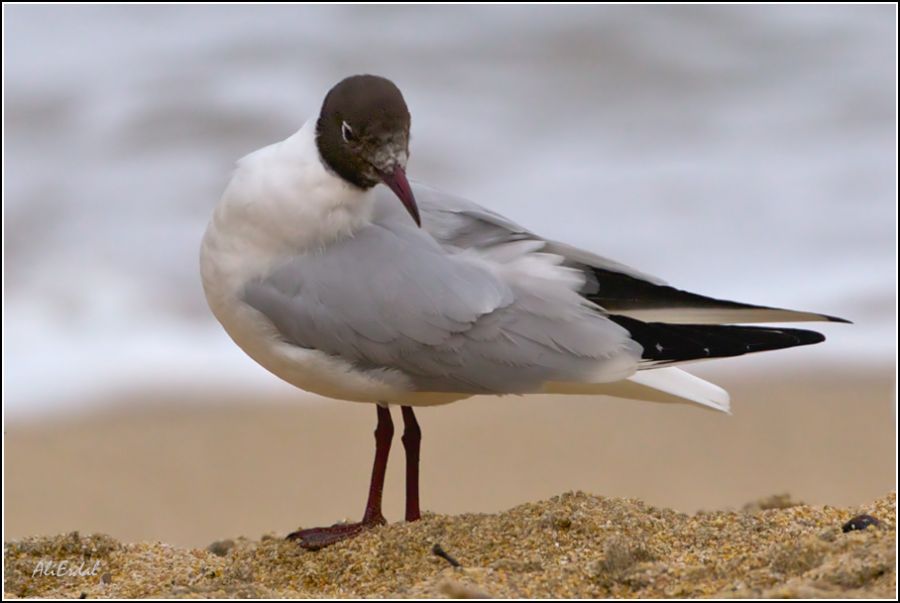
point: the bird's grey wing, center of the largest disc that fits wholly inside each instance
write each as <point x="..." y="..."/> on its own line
<point x="392" y="297"/>
<point x="617" y="288"/>
<point x="459" y="223"/>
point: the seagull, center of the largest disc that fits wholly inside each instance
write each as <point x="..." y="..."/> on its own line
<point x="322" y="277"/>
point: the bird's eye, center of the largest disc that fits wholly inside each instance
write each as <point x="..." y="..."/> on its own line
<point x="346" y="131"/>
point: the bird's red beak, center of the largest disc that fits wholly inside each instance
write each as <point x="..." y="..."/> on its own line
<point x="398" y="183"/>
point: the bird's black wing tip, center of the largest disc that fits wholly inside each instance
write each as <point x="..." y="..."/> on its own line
<point x="837" y="319"/>
<point x="805" y="337"/>
<point x="669" y="343"/>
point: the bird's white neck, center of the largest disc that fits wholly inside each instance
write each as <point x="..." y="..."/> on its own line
<point x="284" y="197"/>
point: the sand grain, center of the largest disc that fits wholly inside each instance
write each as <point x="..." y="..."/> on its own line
<point x="573" y="545"/>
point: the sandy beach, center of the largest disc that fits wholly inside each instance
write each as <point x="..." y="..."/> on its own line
<point x="190" y="473"/>
<point x="574" y="545"/>
<point x="176" y="477"/>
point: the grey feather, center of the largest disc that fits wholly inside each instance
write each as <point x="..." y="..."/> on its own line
<point x="474" y="303"/>
<point x="617" y="288"/>
<point x="473" y="311"/>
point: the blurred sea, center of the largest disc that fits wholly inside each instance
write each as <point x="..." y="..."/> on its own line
<point x="744" y="152"/>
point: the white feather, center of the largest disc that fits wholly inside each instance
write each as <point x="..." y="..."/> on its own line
<point x="669" y="385"/>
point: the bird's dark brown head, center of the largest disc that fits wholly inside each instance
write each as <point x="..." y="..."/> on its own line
<point x="363" y="135"/>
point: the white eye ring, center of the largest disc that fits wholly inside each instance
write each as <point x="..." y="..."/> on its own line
<point x="346" y="131"/>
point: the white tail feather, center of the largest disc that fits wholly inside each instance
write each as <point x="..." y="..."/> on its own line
<point x="669" y="384"/>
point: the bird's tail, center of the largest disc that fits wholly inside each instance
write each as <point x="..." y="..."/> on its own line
<point x="667" y="344"/>
<point x="671" y="385"/>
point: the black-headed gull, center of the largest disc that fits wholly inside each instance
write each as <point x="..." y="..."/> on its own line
<point x="324" y="279"/>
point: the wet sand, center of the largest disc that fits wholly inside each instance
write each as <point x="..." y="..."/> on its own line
<point x="191" y="473"/>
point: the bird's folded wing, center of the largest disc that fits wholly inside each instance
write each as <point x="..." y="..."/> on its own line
<point x="615" y="287"/>
<point x="506" y="320"/>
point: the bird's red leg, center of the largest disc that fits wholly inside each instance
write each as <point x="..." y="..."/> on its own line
<point x="412" y="437"/>
<point x="317" y="538"/>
